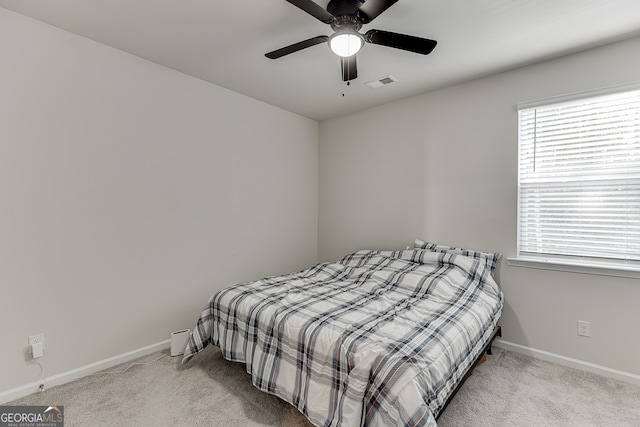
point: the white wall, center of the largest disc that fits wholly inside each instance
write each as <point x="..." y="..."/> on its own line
<point x="371" y="182"/>
<point x="129" y="193"/>
<point x="443" y="167"/>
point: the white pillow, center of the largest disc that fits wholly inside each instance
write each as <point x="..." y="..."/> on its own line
<point x="490" y="259"/>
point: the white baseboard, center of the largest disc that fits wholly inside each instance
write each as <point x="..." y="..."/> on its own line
<point x="569" y="362"/>
<point x="74" y="374"/>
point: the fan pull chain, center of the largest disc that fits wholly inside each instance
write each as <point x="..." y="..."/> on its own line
<point x="348" y="84"/>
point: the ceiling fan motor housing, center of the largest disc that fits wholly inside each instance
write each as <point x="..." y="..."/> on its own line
<point x="344" y="7"/>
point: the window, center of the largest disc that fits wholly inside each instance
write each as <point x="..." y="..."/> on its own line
<point x="579" y="180"/>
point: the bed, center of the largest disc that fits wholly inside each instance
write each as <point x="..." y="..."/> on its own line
<point x="378" y="338"/>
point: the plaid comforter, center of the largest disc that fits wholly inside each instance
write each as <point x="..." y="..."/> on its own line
<point x="379" y="338"/>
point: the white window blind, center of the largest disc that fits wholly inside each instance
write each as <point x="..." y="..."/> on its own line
<point x="579" y="179"/>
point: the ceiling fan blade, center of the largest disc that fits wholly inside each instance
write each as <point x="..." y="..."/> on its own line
<point x="400" y="41"/>
<point x="371" y="9"/>
<point x="313" y="9"/>
<point x="349" y="68"/>
<point x="296" y="47"/>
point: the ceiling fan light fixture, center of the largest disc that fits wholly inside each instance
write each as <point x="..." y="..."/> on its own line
<point x="346" y="44"/>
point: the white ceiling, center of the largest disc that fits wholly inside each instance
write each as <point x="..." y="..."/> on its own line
<point x="224" y="42"/>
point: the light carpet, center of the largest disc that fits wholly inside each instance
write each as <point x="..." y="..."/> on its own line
<point x="508" y="390"/>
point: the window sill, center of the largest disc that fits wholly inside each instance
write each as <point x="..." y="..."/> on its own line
<point x="584" y="267"/>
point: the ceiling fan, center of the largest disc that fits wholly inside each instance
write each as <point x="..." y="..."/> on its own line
<point x="346" y="17"/>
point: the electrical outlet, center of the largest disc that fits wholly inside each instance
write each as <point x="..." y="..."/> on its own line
<point x="36" y="339"/>
<point x="584" y="328"/>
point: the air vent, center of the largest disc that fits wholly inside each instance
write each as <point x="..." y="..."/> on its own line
<point x="375" y="84"/>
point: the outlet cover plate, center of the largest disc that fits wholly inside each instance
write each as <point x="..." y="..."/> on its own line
<point x="36" y="339"/>
<point x="584" y="328"/>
